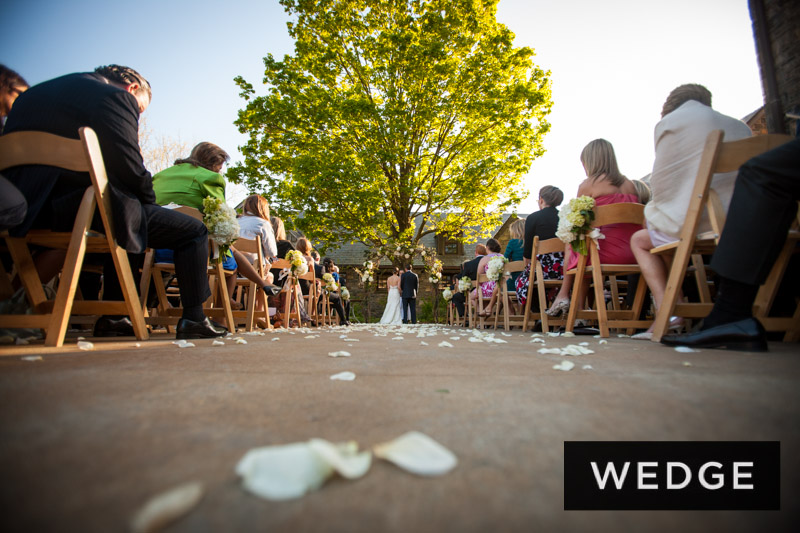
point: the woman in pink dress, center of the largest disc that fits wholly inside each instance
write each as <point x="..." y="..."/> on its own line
<point x="487" y="287"/>
<point x="606" y="185"/>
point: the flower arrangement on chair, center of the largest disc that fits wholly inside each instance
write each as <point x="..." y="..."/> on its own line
<point x="223" y="228"/>
<point x="298" y="261"/>
<point x="464" y="284"/>
<point x="494" y="270"/>
<point x="447" y="294"/>
<point x="329" y="284"/>
<point x="575" y="224"/>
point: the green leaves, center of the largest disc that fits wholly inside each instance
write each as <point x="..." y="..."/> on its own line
<point x="389" y="110"/>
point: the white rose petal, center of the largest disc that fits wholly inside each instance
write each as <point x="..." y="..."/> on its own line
<point x="217" y="343"/>
<point x="623" y="336"/>
<point x="275" y="339"/>
<point x="568" y="334"/>
<point x="417" y="453"/>
<point x="241" y="341"/>
<point x="603" y="341"/>
<point x="343" y="376"/>
<point x="475" y="339"/>
<point x="445" y="344"/>
<point x="351" y="340"/>
<point x="687" y="363"/>
<point x="455" y="338"/>
<point x="32" y="358"/>
<point x="397" y="338"/>
<point x="564" y="365"/>
<point x="587" y="367"/>
<point x="339" y="354"/>
<point x="166" y="507"/>
<point x="283" y="472"/>
<point x="556" y="351"/>
<point x="344" y="458"/>
<point x="685" y="349"/>
<point x="423" y="343"/>
<point x="538" y="340"/>
<point x="85" y="345"/>
<point x="584" y="344"/>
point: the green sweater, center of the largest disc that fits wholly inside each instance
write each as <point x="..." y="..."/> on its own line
<point x="186" y="184"/>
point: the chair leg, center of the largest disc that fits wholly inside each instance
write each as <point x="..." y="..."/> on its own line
<point x="132" y="303"/>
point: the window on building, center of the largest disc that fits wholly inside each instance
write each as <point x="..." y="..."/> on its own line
<point x="448" y="245"/>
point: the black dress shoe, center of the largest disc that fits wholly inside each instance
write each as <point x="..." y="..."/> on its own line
<point x="746" y="335"/>
<point x="113" y="327"/>
<point x="271" y="290"/>
<point x="189" y="329"/>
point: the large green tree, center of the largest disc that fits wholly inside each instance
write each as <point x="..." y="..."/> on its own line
<point x="390" y="110"/>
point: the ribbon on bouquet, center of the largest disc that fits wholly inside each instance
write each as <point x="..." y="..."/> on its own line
<point x="596" y="235"/>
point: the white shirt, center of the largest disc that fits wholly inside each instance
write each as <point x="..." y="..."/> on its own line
<point x="679" y="138"/>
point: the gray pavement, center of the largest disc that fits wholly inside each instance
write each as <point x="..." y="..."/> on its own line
<point x="86" y="437"/>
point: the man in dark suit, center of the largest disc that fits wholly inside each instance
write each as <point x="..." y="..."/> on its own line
<point x="110" y="100"/>
<point x="409" y="283"/>
<point x="469" y="269"/>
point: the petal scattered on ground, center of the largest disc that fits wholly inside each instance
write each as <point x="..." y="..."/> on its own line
<point x="165" y="508"/>
<point x="343" y="376"/>
<point x="566" y="366"/>
<point x="417" y="453"/>
<point x="339" y="354"/>
<point x="85" y="345"/>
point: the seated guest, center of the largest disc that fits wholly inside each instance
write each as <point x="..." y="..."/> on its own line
<point x="542" y="224"/>
<point x="487" y="287"/>
<point x="687" y="119"/>
<point x="12" y="203"/>
<point x="606" y="184"/>
<point x="282" y="243"/>
<point x="255" y="222"/>
<point x="468" y="269"/>
<point x="110" y="100"/>
<point x="767" y="189"/>
<point x="188" y="183"/>
<point x="515" y="249"/>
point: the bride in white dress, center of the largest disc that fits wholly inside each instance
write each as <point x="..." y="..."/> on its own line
<point x="393" y="313"/>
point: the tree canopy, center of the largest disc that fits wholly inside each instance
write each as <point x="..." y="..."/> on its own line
<point x="390" y="110"/>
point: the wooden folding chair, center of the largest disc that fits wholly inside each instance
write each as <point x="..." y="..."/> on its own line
<point x="537" y="282"/>
<point x="79" y="155"/>
<point x="217" y="306"/>
<point x="622" y="213"/>
<point x="767" y="292"/>
<point x="479" y="319"/>
<point x="506" y="298"/>
<point x="718" y="157"/>
<point x="252" y="246"/>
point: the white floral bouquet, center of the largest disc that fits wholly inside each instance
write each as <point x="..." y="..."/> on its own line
<point x="329" y="283"/>
<point x="345" y="294"/>
<point x="495" y="267"/>
<point x="447" y="294"/>
<point x="575" y="224"/>
<point x="299" y="264"/>
<point x="464" y="284"/>
<point x="220" y="220"/>
<point x="435" y="271"/>
<point x="366" y="274"/>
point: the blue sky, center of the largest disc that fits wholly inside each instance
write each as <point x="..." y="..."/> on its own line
<point x="613" y="63"/>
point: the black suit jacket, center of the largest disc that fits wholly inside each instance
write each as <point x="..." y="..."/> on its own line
<point x="409" y="283"/>
<point x="61" y="106"/>
<point x="470" y="268"/>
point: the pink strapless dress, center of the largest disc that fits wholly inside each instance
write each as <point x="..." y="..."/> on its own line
<point x="615" y="249"/>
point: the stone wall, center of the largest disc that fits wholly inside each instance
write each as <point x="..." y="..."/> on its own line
<point x="782" y="21"/>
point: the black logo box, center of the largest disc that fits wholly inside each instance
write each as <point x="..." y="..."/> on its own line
<point x="582" y="490"/>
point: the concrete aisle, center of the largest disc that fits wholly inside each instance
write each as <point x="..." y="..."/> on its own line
<point x="86" y="437"/>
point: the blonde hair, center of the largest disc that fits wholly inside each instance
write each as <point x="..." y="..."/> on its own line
<point x="599" y="161"/>
<point x="278" y="228"/>
<point x="303" y="246"/>
<point x="642" y="191"/>
<point x="684" y="93"/>
<point x="256" y="205"/>
<point x="517" y="229"/>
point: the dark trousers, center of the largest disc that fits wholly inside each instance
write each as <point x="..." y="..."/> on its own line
<point x="410" y="310"/>
<point x="762" y="208"/>
<point x="459" y="300"/>
<point x="188" y="237"/>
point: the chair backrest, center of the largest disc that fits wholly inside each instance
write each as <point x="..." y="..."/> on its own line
<point x="191" y="211"/>
<point x="515" y="266"/>
<point x="719" y="156"/>
<point x="79" y="155"/>
<point x="622" y="213"/>
<point x="547" y="246"/>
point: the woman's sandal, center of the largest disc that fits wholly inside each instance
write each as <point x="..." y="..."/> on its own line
<point x="558" y="307"/>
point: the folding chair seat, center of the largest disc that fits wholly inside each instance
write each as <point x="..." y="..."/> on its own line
<point x="79" y="155"/>
<point x="542" y="286"/>
<point x="482" y="301"/>
<point x="718" y="157"/>
<point x="622" y="213"/>
<point x="217" y="306"/>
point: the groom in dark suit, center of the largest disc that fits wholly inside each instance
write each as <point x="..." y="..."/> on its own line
<point x="110" y="100"/>
<point x="409" y="283"/>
